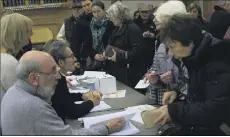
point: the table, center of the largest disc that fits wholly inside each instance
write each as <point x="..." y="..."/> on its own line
<point x="132" y="98"/>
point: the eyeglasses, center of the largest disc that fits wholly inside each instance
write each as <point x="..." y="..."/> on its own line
<point x="144" y="11"/>
<point x="54" y="73"/>
<point x="71" y="56"/>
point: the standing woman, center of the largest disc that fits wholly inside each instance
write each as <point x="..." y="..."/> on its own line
<point x="195" y="10"/>
<point x="123" y="47"/>
<point x="101" y="28"/>
<point x="16" y="31"/>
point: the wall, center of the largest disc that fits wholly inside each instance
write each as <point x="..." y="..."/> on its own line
<point x="51" y="18"/>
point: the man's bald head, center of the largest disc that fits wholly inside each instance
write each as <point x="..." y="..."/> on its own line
<point x="33" y="61"/>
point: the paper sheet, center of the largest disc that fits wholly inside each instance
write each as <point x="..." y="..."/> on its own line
<point x="119" y="94"/>
<point x="138" y="110"/>
<point x="101" y="106"/>
<point x="129" y="129"/>
<point x="142" y="85"/>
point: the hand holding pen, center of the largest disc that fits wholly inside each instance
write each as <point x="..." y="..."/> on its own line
<point x="151" y="77"/>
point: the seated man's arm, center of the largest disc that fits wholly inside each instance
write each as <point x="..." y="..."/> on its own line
<point x="48" y="123"/>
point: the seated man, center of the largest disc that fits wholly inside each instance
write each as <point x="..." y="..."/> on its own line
<point x="63" y="100"/>
<point x="25" y="108"/>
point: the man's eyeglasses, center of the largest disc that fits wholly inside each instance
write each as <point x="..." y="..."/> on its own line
<point x="54" y="73"/>
<point x="71" y="56"/>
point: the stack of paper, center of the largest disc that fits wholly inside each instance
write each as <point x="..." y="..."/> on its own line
<point x="138" y="110"/>
<point x="128" y="129"/>
<point x="118" y="94"/>
<point x="101" y="106"/>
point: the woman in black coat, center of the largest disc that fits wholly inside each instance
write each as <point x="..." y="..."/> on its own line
<point x="124" y="55"/>
<point x="101" y="28"/>
<point x="207" y="59"/>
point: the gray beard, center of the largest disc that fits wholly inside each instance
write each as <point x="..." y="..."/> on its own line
<point x="45" y="93"/>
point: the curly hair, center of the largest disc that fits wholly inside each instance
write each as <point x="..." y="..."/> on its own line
<point x="120" y="11"/>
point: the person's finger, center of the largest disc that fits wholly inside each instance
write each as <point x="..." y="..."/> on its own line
<point x="165" y="99"/>
<point x="164" y="121"/>
<point x="172" y="98"/>
<point x="120" y="120"/>
<point x="145" y="79"/>
<point x="159" y="119"/>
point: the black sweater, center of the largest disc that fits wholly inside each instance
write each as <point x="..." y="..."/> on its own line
<point x="63" y="102"/>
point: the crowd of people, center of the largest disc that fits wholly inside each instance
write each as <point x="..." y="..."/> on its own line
<point x="184" y="57"/>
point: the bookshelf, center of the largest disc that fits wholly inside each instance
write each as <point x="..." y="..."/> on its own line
<point x="16" y="5"/>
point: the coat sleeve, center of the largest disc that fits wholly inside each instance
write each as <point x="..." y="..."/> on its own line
<point x="87" y="49"/>
<point x="210" y="111"/>
<point x="75" y="111"/>
<point x="48" y="123"/>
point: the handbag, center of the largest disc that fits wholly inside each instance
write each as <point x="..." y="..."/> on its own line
<point x="170" y="129"/>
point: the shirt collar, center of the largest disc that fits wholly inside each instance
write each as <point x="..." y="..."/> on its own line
<point x="26" y="86"/>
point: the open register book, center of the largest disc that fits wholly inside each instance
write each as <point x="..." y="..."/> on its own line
<point x="129" y="128"/>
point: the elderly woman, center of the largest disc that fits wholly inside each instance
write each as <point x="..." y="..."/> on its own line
<point x="122" y="50"/>
<point x="101" y="28"/>
<point x="208" y="61"/>
<point x="166" y="74"/>
<point x="16" y="31"/>
<point x="195" y="10"/>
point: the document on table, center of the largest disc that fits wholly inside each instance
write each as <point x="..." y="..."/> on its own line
<point x="142" y="85"/>
<point x="129" y="129"/>
<point x="138" y="110"/>
<point x="119" y="94"/>
<point x="101" y="106"/>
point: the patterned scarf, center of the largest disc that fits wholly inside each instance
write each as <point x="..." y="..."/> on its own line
<point x="98" y="28"/>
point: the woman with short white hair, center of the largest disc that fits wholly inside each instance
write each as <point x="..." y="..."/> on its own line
<point x="166" y="73"/>
<point x="16" y="30"/>
<point x="122" y="50"/>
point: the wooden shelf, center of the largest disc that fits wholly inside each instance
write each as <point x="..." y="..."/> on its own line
<point x="32" y="7"/>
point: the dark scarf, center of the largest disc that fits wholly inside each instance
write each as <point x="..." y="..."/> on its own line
<point x="98" y="28"/>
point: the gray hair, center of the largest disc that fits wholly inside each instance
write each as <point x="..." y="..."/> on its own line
<point x="168" y="9"/>
<point x="56" y="48"/>
<point x="120" y="11"/>
<point x="25" y="67"/>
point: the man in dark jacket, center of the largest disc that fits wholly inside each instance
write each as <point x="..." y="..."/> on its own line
<point x="63" y="101"/>
<point x="148" y="28"/>
<point x="76" y="31"/>
<point x="208" y="62"/>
